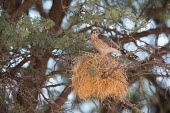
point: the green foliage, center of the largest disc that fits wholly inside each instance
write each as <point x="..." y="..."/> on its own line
<point x="33" y="33"/>
<point x="96" y="13"/>
<point x="73" y="42"/>
<point x="28" y="31"/>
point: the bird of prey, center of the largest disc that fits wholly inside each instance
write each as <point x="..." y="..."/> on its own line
<point x="106" y="45"/>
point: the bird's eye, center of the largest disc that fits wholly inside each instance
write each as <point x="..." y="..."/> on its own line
<point x="93" y="31"/>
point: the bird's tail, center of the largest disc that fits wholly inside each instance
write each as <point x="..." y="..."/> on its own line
<point x="129" y="54"/>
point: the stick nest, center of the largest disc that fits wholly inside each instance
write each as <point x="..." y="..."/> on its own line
<point x="96" y="76"/>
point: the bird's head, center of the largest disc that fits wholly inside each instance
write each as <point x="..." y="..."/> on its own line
<point x="94" y="31"/>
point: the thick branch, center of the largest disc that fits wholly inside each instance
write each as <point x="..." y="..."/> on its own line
<point x="10" y="5"/>
<point x="59" y="102"/>
<point x="39" y="7"/>
<point x="136" y="36"/>
<point x="31" y="83"/>
<point x="58" y="11"/>
<point x="12" y="72"/>
<point x="60" y="72"/>
<point x="66" y="84"/>
<point x="23" y="8"/>
<point x="85" y="29"/>
<point x="164" y="50"/>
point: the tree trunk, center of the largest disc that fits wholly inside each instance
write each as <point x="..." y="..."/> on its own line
<point x="32" y="81"/>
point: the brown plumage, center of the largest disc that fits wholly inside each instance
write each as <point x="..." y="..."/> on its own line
<point x="106" y="45"/>
<point x="103" y="44"/>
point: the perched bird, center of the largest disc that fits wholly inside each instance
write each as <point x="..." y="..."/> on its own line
<point x="106" y="45"/>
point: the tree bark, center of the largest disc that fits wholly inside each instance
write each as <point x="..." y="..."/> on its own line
<point x="59" y="102"/>
<point x="23" y="8"/>
<point x="58" y="11"/>
<point x="10" y="5"/>
<point x="31" y="84"/>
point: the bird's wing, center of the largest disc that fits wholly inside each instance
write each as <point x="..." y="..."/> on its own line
<point x="108" y="41"/>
